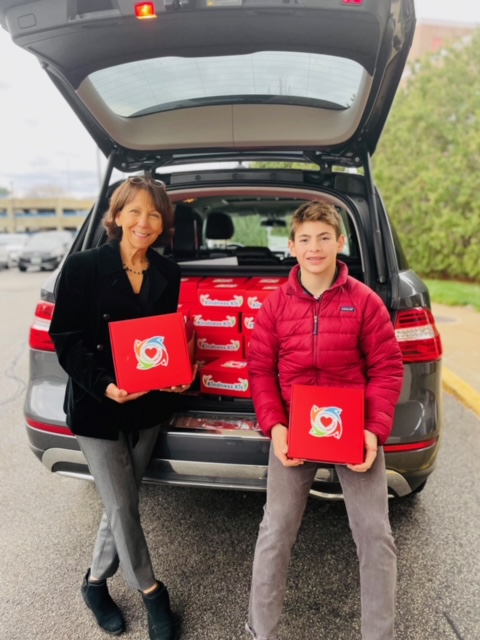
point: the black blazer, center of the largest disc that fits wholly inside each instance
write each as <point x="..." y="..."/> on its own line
<point x="93" y="289"/>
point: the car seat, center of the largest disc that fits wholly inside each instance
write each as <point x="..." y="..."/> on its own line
<point x="255" y="256"/>
<point x="219" y="226"/>
<point x="187" y="237"/>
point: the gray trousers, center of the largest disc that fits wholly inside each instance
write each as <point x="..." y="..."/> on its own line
<point x="366" y="501"/>
<point x="117" y="469"/>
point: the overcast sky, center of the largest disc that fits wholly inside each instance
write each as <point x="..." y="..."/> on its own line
<point x="42" y="142"/>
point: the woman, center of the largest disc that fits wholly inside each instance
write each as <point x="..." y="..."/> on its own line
<point x="116" y="431"/>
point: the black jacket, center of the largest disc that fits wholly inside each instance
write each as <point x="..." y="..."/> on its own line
<point x="93" y="290"/>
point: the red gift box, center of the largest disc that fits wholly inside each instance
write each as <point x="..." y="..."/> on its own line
<point x="151" y="353"/>
<point x="229" y="296"/>
<point x="226" y="378"/>
<point x="265" y="280"/>
<point x="188" y="289"/>
<point x="185" y="310"/>
<point x="327" y="424"/>
<point x="256" y="294"/>
<point x="215" y="319"/>
<point x="248" y="323"/>
<point x="210" y="281"/>
<point x="216" y="344"/>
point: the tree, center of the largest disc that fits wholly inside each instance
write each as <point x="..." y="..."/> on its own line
<point x="427" y="165"/>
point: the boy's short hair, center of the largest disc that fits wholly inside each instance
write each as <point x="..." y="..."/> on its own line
<point x="316" y="211"/>
<point x="126" y="192"/>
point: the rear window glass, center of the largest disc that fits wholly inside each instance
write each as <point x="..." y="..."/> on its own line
<point x="255" y="222"/>
<point x="274" y="233"/>
<point x="401" y="257"/>
<point x="149" y="86"/>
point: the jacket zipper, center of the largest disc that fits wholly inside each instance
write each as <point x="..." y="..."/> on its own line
<point x="315" y="331"/>
<point x="317" y="303"/>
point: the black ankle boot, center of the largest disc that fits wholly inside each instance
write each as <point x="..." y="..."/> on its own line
<point x="160" y="618"/>
<point x="98" y="600"/>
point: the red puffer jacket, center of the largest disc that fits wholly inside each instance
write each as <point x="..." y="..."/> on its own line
<point x="345" y="338"/>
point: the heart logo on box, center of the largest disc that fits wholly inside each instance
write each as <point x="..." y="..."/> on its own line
<point x="151" y="353"/>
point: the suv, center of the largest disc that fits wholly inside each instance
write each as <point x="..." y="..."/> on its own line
<point x="245" y="109"/>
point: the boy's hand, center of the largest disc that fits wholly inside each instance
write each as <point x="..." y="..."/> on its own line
<point x="371" y="448"/>
<point x="280" y="446"/>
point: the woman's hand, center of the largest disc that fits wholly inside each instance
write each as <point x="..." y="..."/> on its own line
<point x="280" y="446"/>
<point x="371" y="448"/>
<point x="183" y="387"/>
<point x="120" y="395"/>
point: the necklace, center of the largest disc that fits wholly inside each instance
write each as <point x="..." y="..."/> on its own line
<point x="137" y="273"/>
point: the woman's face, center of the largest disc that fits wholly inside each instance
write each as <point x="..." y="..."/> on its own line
<point x="141" y="223"/>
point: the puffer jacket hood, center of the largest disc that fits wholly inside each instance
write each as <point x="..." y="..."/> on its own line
<point x="344" y="338"/>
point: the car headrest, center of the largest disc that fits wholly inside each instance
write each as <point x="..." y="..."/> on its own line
<point x="253" y="252"/>
<point x="219" y="226"/>
<point x="188" y="229"/>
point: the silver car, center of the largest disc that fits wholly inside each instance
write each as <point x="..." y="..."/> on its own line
<point x="11" y="244"/>
<point x="245" y="109"/>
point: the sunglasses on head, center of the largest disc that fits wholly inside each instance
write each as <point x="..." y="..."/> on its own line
<point x="146" y="180"/>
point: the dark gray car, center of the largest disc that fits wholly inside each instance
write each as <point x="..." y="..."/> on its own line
<point x="245" y="109"/>
<point x="44" y="250"/>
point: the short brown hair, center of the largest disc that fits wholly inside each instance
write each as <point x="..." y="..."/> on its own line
<point x="126" y="192"/>
<point x="316" y="211"/>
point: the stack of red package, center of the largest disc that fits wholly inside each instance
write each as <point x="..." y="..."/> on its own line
<point x="222" y="311"/>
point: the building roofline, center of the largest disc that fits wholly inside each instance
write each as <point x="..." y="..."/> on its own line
<point x="448" y="23"/>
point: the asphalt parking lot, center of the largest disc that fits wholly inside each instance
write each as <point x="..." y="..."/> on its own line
<point x="202" y="541"/>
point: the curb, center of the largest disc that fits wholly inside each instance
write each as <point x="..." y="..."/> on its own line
<point x="461" y="390"/>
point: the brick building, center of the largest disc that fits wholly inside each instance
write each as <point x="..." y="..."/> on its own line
<point x="431" y="35"/>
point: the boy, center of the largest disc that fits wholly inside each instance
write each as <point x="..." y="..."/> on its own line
<point x="324" y="328"/>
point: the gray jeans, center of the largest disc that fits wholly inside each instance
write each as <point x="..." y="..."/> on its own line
<point x="117" y="469"/>
<point x="366" y="501"/>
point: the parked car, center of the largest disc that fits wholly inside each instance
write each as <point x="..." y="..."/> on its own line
<point x="257" y="86"/>
<point x="10" y="246"/>
<point x="44" y="249"/>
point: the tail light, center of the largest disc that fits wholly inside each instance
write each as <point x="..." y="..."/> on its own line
<point x="417" y="335"/>
<point x="39" y="338"/>
<point x="49" y="428"/>
<point x="145" y="10"/>
<point x="410" y="446"/>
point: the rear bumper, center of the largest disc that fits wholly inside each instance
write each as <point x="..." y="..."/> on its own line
<point x="236" y="458"/>
<point x="43" y="263"/>
<point x="405" y="471"/>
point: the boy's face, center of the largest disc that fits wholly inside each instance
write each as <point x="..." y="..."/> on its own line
<point x="315" y="247"/>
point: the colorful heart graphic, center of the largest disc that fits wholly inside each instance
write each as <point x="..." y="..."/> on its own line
<point x="150" y="353"/>
<point x="325" y="422"/>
